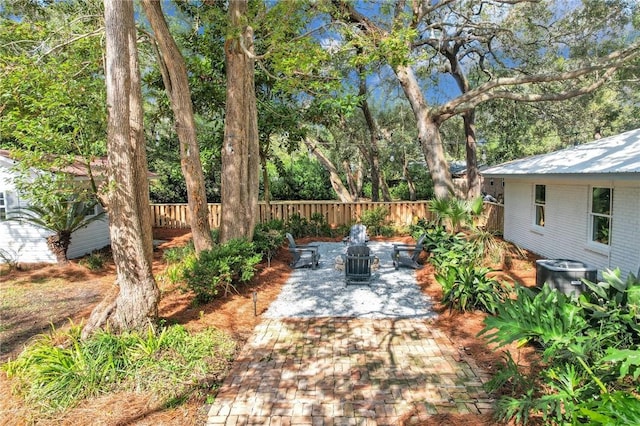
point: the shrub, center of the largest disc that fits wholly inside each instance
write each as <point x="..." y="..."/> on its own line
<point x="466" y="287"/>
<point x="297" y="225"/>
<point x="548" y="318"/>
<point x="300" y="226"/>
<point x="375" y="220"/>
<point x="318" y="226"/>
<point x="222" y="268"/>
<point x="450" y="250"/>
<point x="268" y="238"/>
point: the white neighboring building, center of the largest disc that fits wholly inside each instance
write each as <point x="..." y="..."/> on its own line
<point x="26" y="243"/>
<point x="580" y="203"/>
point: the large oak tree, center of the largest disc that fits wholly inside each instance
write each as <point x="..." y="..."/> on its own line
<point x="133" y="303"/>
<point x="402" y="30"/>
<point x="240" y="149"/>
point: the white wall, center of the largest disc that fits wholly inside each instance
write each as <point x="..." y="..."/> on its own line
<point x="26" y="243"/>
<point x="566" y="234"/>
<point x="85" y="240"/>
<point x="625" y="236"/>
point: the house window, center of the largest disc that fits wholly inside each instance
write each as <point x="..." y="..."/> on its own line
<point x="3" y="206"/>
<point x="600" y="216"/>
<point x="539" y="202"/>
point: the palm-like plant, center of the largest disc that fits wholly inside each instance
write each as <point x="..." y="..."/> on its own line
<point x="63" y="218"/>
<point x="454" y="213"/>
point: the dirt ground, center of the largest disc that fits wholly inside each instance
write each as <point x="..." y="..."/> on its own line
<point x="52" y="295"/>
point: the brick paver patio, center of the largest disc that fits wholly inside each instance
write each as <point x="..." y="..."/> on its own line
<point x="339" y="371"/>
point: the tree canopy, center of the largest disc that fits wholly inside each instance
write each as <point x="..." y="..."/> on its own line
<point x="319" y="67"/>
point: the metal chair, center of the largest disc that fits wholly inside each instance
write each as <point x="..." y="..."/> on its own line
<point x="408" y="254"/>
<point x="357" y="264"/>
<point x="303" y="255"/>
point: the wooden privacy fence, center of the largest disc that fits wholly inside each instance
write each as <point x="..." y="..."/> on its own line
<point x="400" y="213"/>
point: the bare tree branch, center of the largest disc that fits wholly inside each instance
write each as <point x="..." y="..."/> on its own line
<point x="70" y="41"/>
<point x="486" y="91"/>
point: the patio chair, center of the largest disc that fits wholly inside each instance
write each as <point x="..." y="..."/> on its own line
<point x="408" y="254"/>
<point x="357" y="264"/>
<point x="357" y="235"/>
<point x="303" y="255"/>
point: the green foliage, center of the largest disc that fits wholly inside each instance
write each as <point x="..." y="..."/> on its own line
<point x="174" y="255"/>
<point x="300" y="226"/>
<point x="450" y="250"/>
<point x="300" y="178"/>
<point x="548" y="318"/>
<point x="628" y="359"/>
<point x="454" y="213"/>
<point x="467" y="287"/>
<point x="375" y="220"/>
<point x="589" y="345"/>
<point x="297" y="225"/>
<point x="493" y="249"/>
<point x="53" y="98"/>
<point x="66" y="216"/>
<point x="94" y="261"/>
<point x="222" y="268"/>
<point x="57" y="371"/>
<point x="179" y="260"/>
<point x="611" y="408"/>
<point x="268" y="238"/>
<point x="318" y="225"/>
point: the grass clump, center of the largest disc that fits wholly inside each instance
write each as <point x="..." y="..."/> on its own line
<point x="59" y="370"/>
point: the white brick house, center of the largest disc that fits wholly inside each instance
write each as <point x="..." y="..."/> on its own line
<point x="580" y="203"/>
<point x="25" y="243"/>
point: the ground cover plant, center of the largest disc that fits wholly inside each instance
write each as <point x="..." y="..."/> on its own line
<point x="59" y="370"/>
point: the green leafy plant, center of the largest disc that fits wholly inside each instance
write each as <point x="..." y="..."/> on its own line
<point x="318" y="225"/>
<point x="547" y="318"/>
<point x="59" y="370"/>
<point x="451" y="250"/>
<point x="589" y="346"/>
<point x="375" y="220"/>
<point x="614" y="298"/>
<point x="174" y="255"/>
<point x="221" y="269"/>
<point x="466" y="287"/>
<point x="94" y="261"/>
<point x="297" y="225"/>
<point x="267" y="240"/>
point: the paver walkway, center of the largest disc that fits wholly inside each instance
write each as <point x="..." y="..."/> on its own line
<point x="347" y="371"/>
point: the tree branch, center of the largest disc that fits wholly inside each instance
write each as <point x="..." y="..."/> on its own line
<point x="70" y="41"/>
<point x="486" y="91"/>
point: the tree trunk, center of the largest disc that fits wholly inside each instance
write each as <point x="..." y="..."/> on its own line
<point x="428" y="133"/>
<point x="240" y="150"/>
<point x="474" y="180"/>
<point x="336" y="183"/>
<point x="370" y="152"/>
<point x="266" y="187"/>
<point x="174" y="75"/>
<point x="135" y="303"/>
<point x="351" y="180"/>
<point x="386" y="194"/>
<point x="413" y="196"/>
<point x="59" y="245"/>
